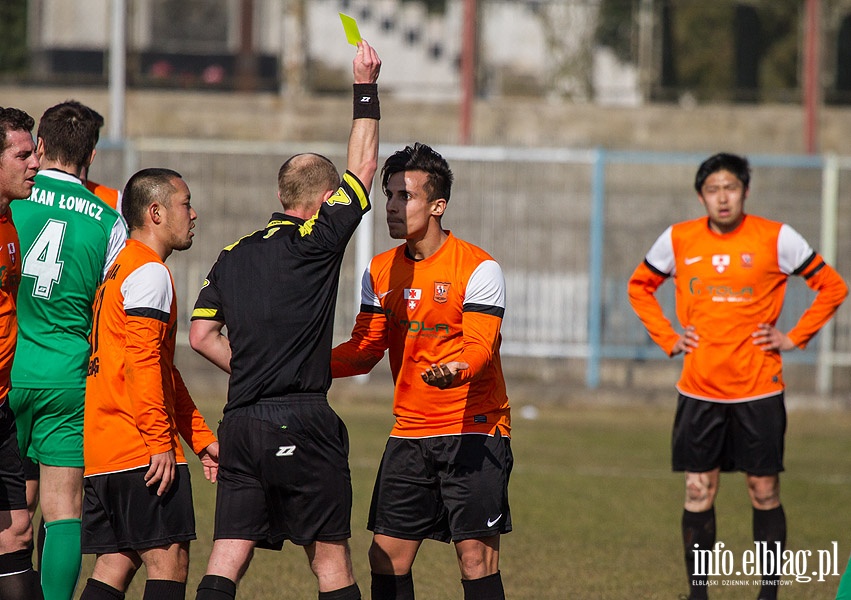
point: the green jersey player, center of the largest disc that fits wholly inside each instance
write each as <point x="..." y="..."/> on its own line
<point x="68" y="239"/>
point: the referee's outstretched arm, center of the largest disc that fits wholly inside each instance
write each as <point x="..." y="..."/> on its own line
<point x="362" y="158"/>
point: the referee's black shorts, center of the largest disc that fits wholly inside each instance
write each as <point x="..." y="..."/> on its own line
<point x="733" y="436"/>
<point x="284" y="473"/>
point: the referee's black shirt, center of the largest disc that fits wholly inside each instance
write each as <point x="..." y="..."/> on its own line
<point x="276" y="290"/>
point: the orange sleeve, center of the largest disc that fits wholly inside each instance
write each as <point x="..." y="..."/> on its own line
<point x="830" y="290"/>
<point x="144" y="377"/>
<point x="107" y="194"/>
<point x="481" y="341"/>
<point x="364" y="349"/>
<point x="190" y="423"/>
<point x="642" y="296"/>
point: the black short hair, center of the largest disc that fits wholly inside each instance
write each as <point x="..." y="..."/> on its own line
<point x="70" y="131"/>
<point x="143" y="188"/>
<point x="421" y="157"/>
<point x="13" y="119"/>
<point x="723" y="161"/>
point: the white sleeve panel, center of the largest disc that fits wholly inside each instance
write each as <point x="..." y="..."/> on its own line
<point x="792" y="250"/>
<point x="117" y="239"/>
<point x="661" y="253"/>
<point x="149" y="286"/>
<point x="368" y="297"/>
<point x="486" y="285"/>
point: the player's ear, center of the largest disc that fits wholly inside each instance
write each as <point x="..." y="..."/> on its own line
<point x="39" y="148"/>
<point x="438" y="207"/>
<point x="155" y="212"/>
<point x="91" y="159"/>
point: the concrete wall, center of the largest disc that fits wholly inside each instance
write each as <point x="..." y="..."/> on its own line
<point x="772" y="129"/>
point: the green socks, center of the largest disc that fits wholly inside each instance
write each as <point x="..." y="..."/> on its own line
<point x="61" y="559"/>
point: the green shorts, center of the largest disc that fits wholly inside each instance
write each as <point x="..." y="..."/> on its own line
<point x="50" y="424"/>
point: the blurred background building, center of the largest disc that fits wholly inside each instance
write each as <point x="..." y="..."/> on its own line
<point x="602" y="51"/>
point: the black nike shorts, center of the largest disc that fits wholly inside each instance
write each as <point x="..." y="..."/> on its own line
<point x="735" y="436"/>
<point x="448" y="488"/>
<point x="121" y="513"/>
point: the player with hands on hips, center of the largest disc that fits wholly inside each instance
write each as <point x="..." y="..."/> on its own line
<point x="730" y="270"/>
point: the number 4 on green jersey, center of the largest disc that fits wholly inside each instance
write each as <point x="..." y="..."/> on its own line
<point x="42" y="260"/>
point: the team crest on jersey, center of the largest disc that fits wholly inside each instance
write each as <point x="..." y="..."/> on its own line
<point x="720" y="262"/>
<point x="13" y="253"/>
<point x="413" y="297"/>
<point x="747" y="259"/>
<point x="441" y="291"/>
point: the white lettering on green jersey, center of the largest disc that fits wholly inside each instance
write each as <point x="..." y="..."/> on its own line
<point x="68" y="238"/>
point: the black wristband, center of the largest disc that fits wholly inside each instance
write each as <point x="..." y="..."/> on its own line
<point x="366" y="104"/>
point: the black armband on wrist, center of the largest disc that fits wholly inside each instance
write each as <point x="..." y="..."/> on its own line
<point x="366" y="104"/>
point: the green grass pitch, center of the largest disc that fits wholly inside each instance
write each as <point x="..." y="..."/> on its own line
<point x="595" y="508"/>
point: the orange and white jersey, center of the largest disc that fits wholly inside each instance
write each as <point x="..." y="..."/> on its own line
<point x="726" y="285"/>
<point x="136" y="401"/>
<point x="10" y="276"/>
<point x="448" y="307"/>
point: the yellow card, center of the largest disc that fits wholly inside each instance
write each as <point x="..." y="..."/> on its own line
<point x="350" y="26"/>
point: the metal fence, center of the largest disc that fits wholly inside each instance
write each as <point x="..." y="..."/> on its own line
<point x="568" y="227"/>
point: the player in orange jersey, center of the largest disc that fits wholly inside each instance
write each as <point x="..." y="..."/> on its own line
<point x="18" y="166"/>
<point x="730" y="270"/>
<point x="109" y="195"/>
<point x="436" y="303"/>
<point x="138" y="498"/>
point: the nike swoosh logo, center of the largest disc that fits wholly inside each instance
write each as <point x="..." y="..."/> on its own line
<point x="381" y="295"/>
<point x="692" y="260"/>
<point x="493" y="522"/>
